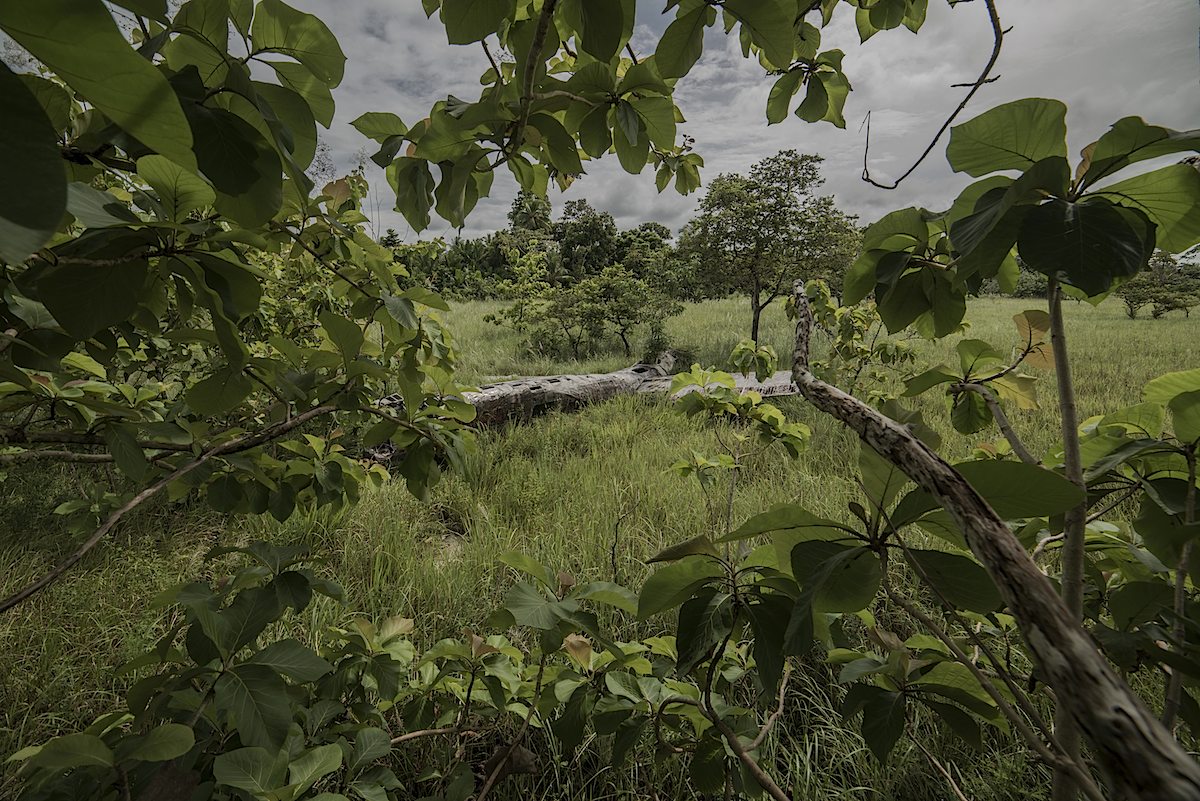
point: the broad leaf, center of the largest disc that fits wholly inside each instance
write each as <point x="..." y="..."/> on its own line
<point x="1170" y="197"/>
<point x="179" y="191"/>
<point x="671" y="585"/>
<point x="959" y="579"/>
<point x="1088" y="244"/>
<point x="88" y="54"/>
<point x="257" y="701"/>
<point x="33" y="205"/>
<point x="1013" y="136"/>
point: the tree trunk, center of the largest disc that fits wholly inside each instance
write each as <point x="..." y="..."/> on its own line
<point x="755" y="316"/>
<point x="1074" y="526"/>
<point x="1137" y="752"/>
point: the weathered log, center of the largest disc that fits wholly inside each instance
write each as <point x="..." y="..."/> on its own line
<point x="1138" y="753"/>
<point x="525" y="398"/>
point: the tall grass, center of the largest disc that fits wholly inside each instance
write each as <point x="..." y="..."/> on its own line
<point x="591" y="493"/>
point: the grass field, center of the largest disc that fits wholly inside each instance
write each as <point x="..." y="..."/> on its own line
<point x="589" y="493"/>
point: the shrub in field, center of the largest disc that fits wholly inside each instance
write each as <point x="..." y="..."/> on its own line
<point x="1167" y="285"/>
<point x="579" y="317"/>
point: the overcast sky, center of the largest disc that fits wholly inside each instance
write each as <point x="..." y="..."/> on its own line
<point x="1105" y="58"/>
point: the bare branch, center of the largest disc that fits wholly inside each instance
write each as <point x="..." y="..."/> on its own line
<point x="531" y="63"/>
<point x="997" y="41"/>
<point x="415" y="735"/>
<point x="241" y="443"/>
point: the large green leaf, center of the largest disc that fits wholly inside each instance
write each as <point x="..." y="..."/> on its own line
<point x="780" y="99"/>
<point x="413" y="183"/>
<point x="683" y="42"/>
<point x="300" y="80"/>
<point x="671" y="585"/>
<point x="603" y="25"/>
<point x="1185" y="416"/>
<point x="841" y="578"/>
<point x="256" y="698"/>
<point x="1131" y="140"/>
<point x="86" y="299"/>
<point x="178" y="190"/>
<point x="770" y="23"/>
<point x="279" y="28"/>
<point x="81" y="43"/>
<point x="253" y="769"/>
<point x="166" y="742"/>
<point x="470" y="21"/>
<point x="1013" y="136"/>
<point x="308" y="768"/>
<point x="379" y="125"/>
<point x="369" y="745"/>
<point x="530" y="607"/>
<point x="1088" y="244"/>
<point x="35" y="200"/>
<point x="1016" y="490"/>
<point x="1166" y="387"/>
<point x="219" y="392"/>
<point x="961" y="580"/>
<point x="293" y="660"/>
<point x="883" y="722"/>
<point x="242" y="165"/>
<point x="704" y="621"/>
<point x="1170" y="197"/>
<point x="74" y="751"/>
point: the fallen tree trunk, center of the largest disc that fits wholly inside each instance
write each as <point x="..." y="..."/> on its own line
<point x="525" y="398"/>
<point x="1137" y="752"/>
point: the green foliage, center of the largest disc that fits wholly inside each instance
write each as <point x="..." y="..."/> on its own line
<point x="1167" y="285"/>
<point x="578" y="317"/>
<point x="757" y="234"/>
<point x="921" y="265"/>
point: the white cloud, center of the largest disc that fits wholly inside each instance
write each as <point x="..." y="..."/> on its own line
<point x="1105" y="58"/>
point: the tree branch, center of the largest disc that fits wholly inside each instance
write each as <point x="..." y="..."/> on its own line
<point x="1179" y="630"/>
<point x="997" y="41"/>
<point x="531" y="62"/>
<point x="1139" y="754"/>
<point x="1001" y="418"/>
<point x="238" y="444"/>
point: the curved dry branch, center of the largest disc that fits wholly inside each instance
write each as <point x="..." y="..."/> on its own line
<point x="984" y="77"/>
<point x="242" y="443"/>
<point x="1139" y="754"/>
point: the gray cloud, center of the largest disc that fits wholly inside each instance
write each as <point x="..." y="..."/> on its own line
<point x="1105" y="58"/>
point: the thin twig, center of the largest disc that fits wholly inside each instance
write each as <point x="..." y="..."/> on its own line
<point x="1001" y="418"/>
<point x="239" y="444"/>
<point x="1030" y="737"/>
<point x="997" y="41"/>
<point x="954" y="788"/>
<point x="414" y="735"/>
<point x="487" y="51"/>
<point x="520" y="735"/>
<point x="766" y="727"/>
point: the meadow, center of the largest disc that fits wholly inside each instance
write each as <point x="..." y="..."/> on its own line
<point x="590" y="493"/>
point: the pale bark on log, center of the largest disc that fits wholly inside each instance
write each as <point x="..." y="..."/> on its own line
<point x="1139" y="755"/>
<point x="524" y="398"/>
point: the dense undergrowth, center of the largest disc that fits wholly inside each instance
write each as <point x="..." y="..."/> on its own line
<point x="590" y="493"/>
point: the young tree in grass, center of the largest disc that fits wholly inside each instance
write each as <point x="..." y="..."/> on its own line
<point x="756" y="233"/>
